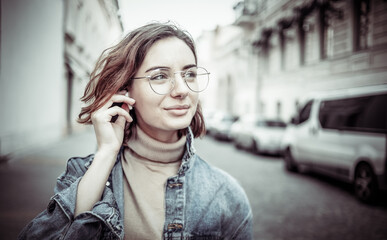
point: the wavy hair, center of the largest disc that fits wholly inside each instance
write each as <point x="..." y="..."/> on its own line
<point x="117" y="66"/>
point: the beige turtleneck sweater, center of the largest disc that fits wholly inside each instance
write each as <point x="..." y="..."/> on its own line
<point x="147" y="164"/>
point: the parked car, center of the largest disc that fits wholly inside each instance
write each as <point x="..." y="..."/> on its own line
<point x="241" y="131"/>
<point x="343" y="134"/>
<point x="209" y="119"/>
<point x="267" y="136"/>
<point x="258" y="134"/>
<point x="220" y="125"/>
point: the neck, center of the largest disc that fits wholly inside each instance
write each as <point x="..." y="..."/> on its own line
<point x="160" y="135"/>
<point x="146" y="147"/>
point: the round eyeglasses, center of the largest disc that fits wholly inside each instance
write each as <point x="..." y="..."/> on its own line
<point x="162" y="80"/>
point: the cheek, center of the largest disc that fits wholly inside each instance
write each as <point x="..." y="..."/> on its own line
<point x="195" y="100"/>
<point x="147" y="107"/>
<point x="146" y="103"/>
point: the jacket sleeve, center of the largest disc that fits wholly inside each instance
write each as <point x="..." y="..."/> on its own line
<point x="245" y="229"/>
<point x="55" y="221"/>
<point x="239" y="220"/>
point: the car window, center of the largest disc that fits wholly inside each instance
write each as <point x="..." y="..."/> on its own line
<point x="305" y="112"/>
<point x="359" y="114"/>
<point x="275" y="124"/>
<point x="373" y="116"/>
<point x="331" y="114"/>
<point x="229" y="118"/>
<point x="260" y="123"/>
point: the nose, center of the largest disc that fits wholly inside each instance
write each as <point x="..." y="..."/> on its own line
<point x="180" y="88"/>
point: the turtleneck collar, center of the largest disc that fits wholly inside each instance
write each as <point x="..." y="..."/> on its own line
<point x="151" y="149"/>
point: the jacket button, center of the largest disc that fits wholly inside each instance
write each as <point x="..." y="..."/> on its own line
<point x="175" y="226"/>
<point x="172" y="185"/>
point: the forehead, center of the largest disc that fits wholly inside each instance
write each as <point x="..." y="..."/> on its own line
<point x="168" y="52"/>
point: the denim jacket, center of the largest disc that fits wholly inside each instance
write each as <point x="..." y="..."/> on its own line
<point x="201" y="202"/>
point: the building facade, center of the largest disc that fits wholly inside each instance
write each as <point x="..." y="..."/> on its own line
<point x="305" y="46"/>
<point x="89" y="27"/>
<point x="48" y="49"/>
<point x="231" y="63"/>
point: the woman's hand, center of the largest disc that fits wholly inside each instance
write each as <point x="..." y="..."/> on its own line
<point x="109" y="139"/>
<point x="111" y="134"/>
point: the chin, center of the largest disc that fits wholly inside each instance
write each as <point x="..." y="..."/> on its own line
<point x="178" y="124"/>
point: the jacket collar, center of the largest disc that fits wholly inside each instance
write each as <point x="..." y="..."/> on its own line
<point x="188" y="157"/>
<point x="117" y="177"/>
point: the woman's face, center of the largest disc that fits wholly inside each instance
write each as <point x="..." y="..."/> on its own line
<point x="160" y="116"/>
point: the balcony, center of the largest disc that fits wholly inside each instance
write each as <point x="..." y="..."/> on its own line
<point x="245" y="13"/>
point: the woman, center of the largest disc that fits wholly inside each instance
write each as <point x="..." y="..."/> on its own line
<point x="145" y="180"/>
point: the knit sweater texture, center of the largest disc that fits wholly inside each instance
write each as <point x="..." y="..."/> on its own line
<point x="147" y="164"/>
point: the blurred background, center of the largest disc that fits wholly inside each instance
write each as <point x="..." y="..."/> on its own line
<point x="267" y="60"/>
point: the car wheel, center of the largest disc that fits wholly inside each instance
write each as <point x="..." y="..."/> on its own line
<point x="254" y="147"/>
<point x="236" y="144"/>
<point x="257" y="149"/>
<point x="290" y="165"/>
<point x="365" y="183"/>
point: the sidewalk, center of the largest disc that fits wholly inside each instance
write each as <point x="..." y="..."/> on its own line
<point x="28" y="179"/>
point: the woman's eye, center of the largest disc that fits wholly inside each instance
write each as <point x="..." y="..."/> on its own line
<point x="190" y="74"/>
<point x="159" y="77"/>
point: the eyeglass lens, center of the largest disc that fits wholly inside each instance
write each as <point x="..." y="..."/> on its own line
<point x="196" y="79"/>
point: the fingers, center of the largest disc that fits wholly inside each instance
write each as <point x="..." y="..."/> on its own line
<point x="124" y="99"/>
<point x="116" y="109"/>
<point x="121" y="120"/>
<point x="120" y="112"/>
<point x="120" y="97"/>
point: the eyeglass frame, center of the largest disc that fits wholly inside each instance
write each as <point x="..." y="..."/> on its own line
<point x="173" y="80"/>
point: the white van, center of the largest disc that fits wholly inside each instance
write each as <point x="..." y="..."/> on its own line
<point x="342" y="134"/>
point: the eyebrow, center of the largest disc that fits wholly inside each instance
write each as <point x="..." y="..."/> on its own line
<point x="164" y="67"/>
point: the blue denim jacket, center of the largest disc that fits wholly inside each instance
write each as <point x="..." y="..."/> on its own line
<point x="201" y="202"/>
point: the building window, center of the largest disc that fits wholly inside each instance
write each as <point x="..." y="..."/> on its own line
<point x="274" y="57"/>
<point x="279" y="109"/>
<point x="326" y="36"/>
<point x="328" y="40"/>
<point x="361" y="24"/>
<point x="230" y="94"/>
<point x="262" y="108"/>
<point x="305" y="29"/>
<point x="264" y="44"/>
<point x="379" y="17"/>
<point x="311" y="39"/>
<point x="291" y="52"/>
<point x="284" y="25"/>
<point x="301" y="40"/>
<point x="282" y="36"/>
<point x="332" y="26"/>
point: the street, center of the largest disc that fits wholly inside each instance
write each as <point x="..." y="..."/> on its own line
<point x="29" y="180"/>
<point x="296" y="206"/>
<point x="285" y="205"/>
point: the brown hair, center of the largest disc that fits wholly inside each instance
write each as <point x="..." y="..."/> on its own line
<point x="118" y="65"/>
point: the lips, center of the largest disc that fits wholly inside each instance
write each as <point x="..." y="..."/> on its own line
<point x="177" y="107"/>
<point x="178" y="110"/>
